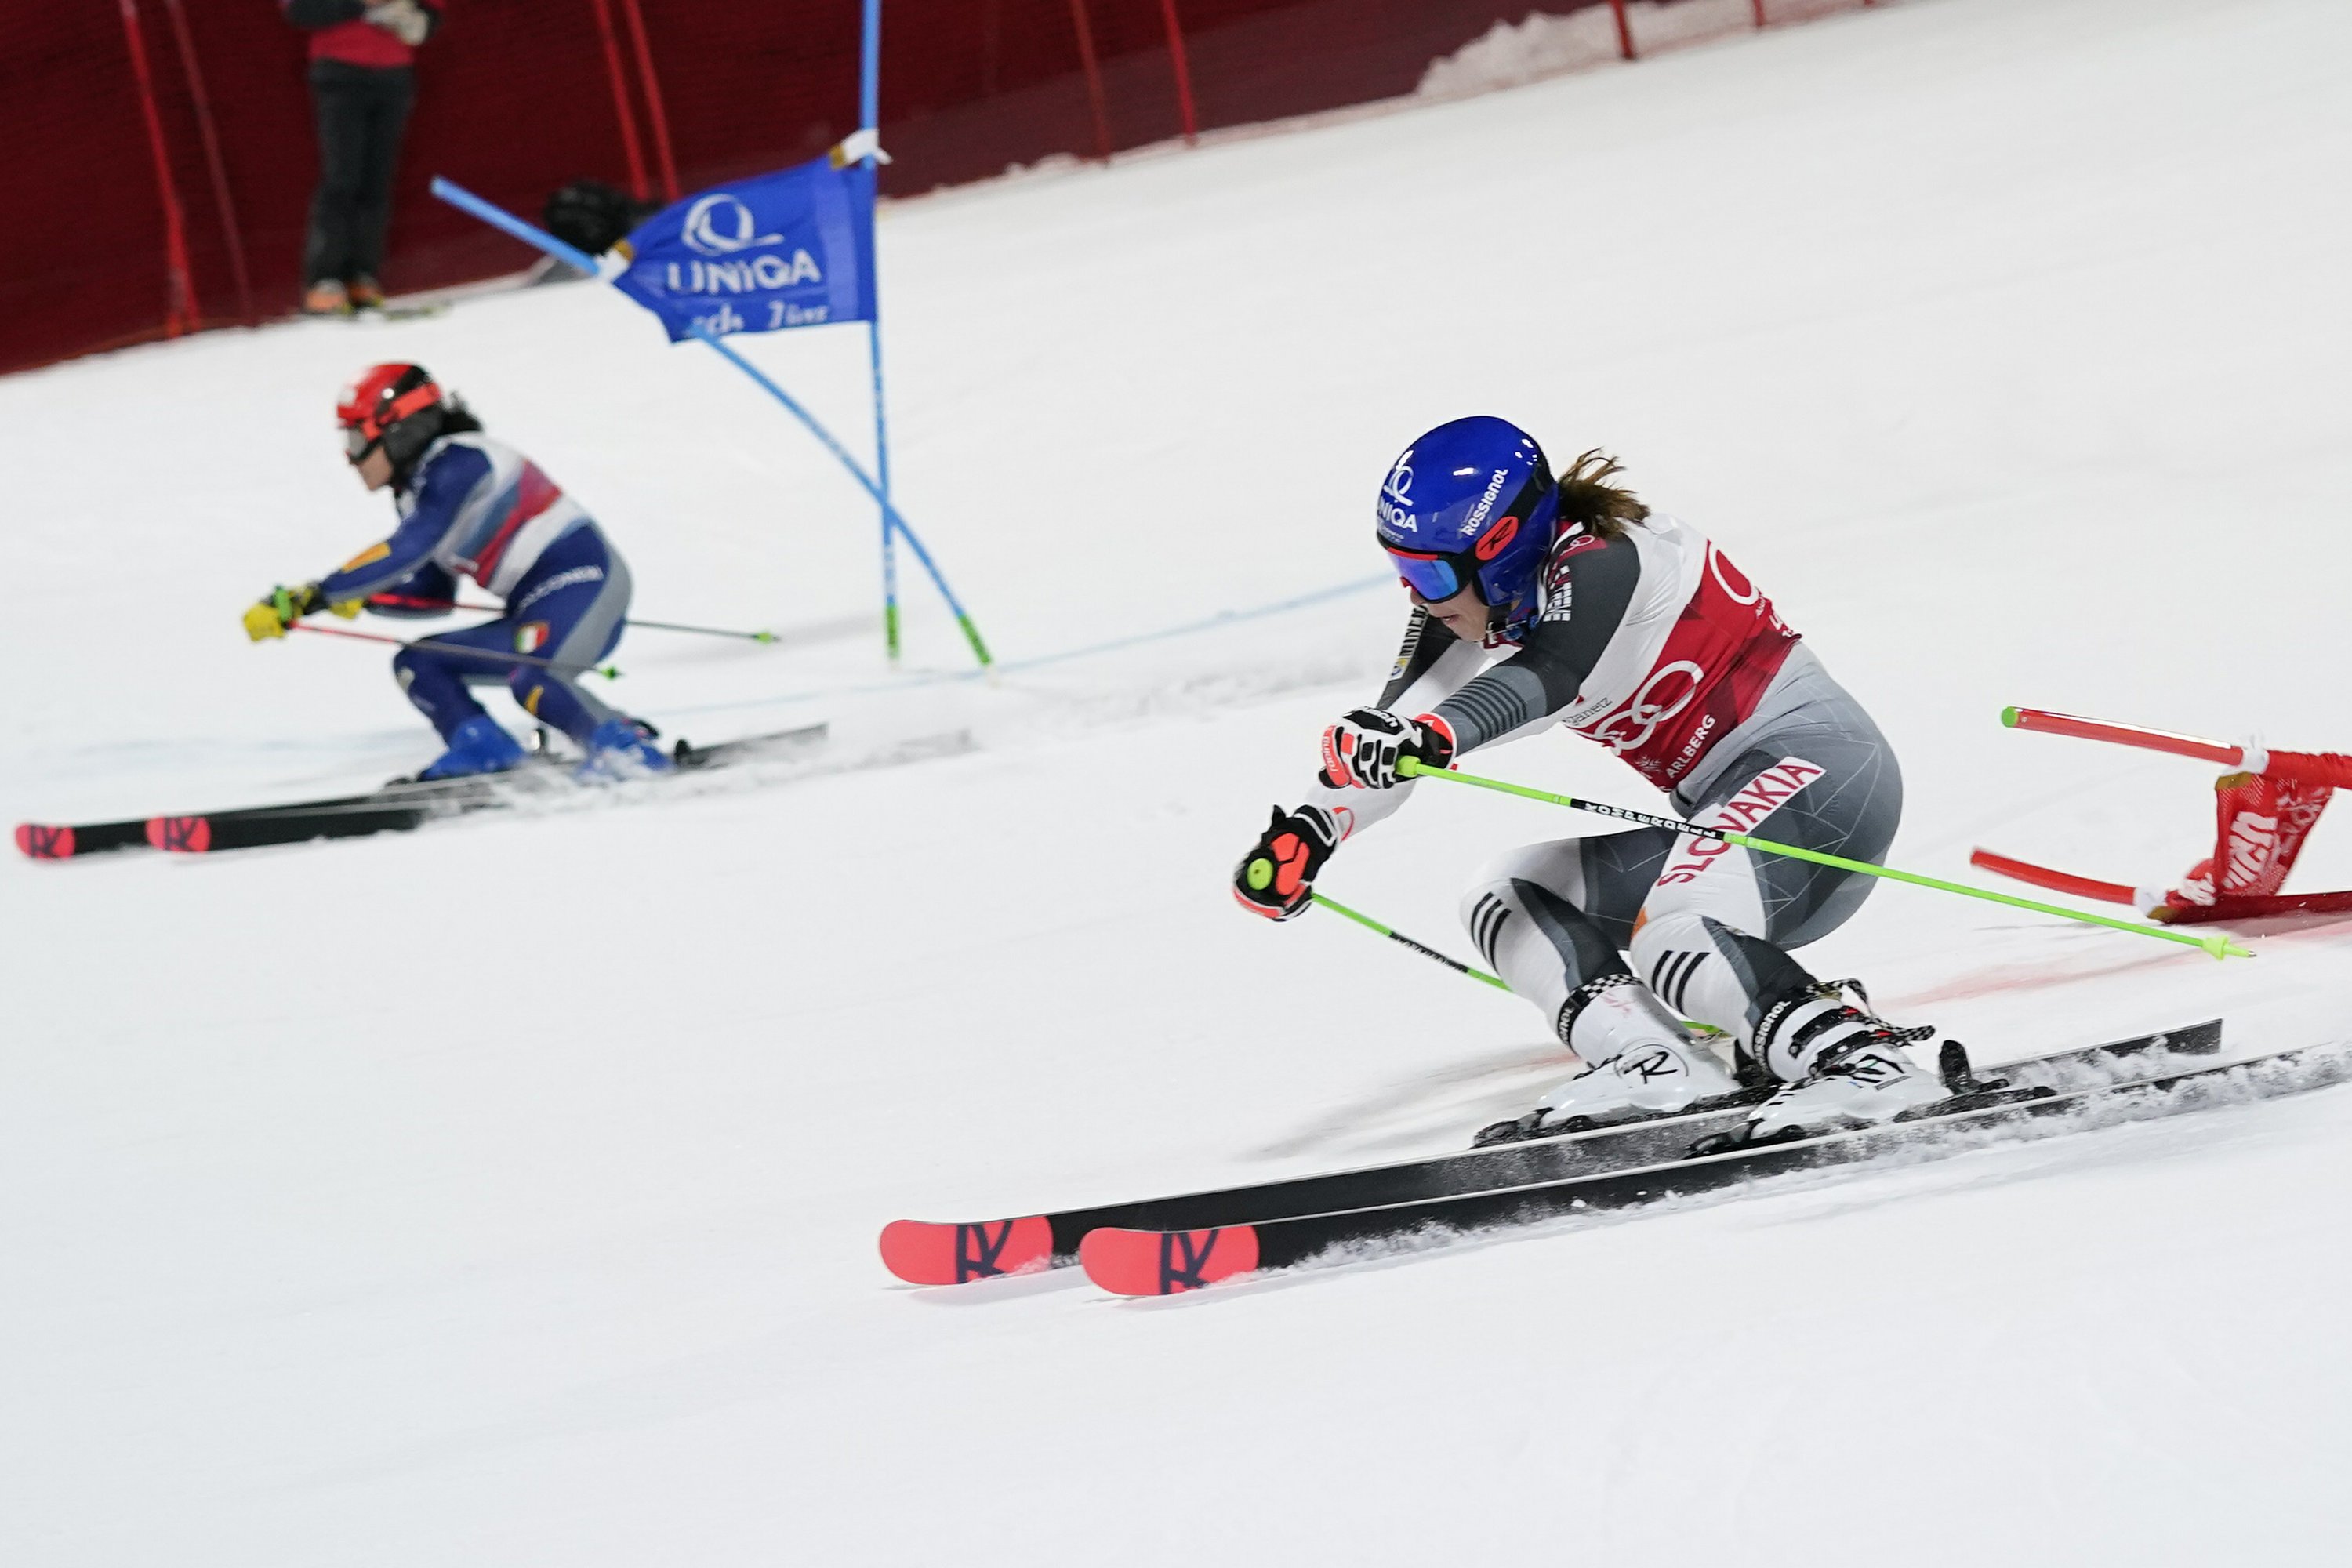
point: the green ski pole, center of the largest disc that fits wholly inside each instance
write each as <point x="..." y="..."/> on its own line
<point x="2219" y="945"/>
<point x="1337" y="908"/>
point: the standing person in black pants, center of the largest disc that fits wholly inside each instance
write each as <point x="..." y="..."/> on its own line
<point x="362" y="82"/>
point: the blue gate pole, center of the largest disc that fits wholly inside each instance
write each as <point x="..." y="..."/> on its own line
<point x="869" y="110"/>
<point x="890" y="513"/>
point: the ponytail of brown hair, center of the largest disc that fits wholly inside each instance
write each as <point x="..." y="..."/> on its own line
<point x="1586" y="496"/>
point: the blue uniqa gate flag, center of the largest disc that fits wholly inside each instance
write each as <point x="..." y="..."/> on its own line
<point x="795" y="249"/>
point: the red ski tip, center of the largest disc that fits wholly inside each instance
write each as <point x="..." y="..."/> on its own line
<point x="924" y="1254"/>
<point x="1165" y="1262"/>
<point x="181" y="835"/>
<point x="44" y="842"/>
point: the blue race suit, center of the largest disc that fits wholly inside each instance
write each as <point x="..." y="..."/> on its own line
<point x="475" y="507"/>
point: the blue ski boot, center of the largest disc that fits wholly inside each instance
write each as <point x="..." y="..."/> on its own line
<point x="620" y="749"/>
<point x="476" y="746"/>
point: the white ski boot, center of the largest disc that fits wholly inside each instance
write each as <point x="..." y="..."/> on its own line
<point x="1842" y="1068"/>
<point x="1642" y="1064"/>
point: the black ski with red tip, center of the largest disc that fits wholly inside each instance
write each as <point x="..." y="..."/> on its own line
<point x="66" y="840"/>
<point x="397" y="807"/>
<point x="927" y="1253"/>
<point x="1158" y="1261"/>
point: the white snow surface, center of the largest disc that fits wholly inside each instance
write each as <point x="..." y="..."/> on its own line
<point x="505" y="1193"/>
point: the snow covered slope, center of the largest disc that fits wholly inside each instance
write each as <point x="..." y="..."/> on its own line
<point x="507" y="1192"/>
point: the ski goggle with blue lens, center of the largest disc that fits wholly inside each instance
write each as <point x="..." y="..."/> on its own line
<point x="1436" y="575"/>
<point x="1433" y="577"/>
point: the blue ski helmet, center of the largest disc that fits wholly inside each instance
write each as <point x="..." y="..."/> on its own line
<point x="1472" y="503"/>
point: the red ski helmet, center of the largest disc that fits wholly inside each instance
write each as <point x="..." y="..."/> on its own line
<point x="396" y="407"/>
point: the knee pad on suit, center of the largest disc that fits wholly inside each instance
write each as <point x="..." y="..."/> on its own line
<point x="1710" y="971"/>
<point x="1543" y="946"/>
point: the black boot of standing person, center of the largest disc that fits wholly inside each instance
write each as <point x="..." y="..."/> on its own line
<point x="363" y="82"/>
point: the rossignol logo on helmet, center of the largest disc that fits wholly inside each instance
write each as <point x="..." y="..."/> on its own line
<point x="1495" y="543"/>
<point x="1478" y="517"/>
<point x="1396" y="497"/>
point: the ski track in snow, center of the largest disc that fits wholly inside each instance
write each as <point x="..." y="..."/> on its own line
<point x="506" y="1192"/>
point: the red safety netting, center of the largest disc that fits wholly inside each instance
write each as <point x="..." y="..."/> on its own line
<point x="515" y="97"/>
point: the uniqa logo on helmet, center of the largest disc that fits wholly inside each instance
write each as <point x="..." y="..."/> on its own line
<point x="1396" y="498"/>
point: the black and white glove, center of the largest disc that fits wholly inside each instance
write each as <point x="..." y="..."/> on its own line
<point x="404" y="19"/>
<point x="1361" y="750"/>
<point x="1276" y="878"/>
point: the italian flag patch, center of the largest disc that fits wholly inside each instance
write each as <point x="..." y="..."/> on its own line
<point x="530" y="636"/>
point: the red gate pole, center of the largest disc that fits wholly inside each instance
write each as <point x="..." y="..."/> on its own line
<point x="1759" y="12"/>
<point x="1624" y="30"/>
<point x="180" y="314"/>
<point x="231" y="229"/>
<point x="637" y="187"/>
<point x="1094" y="80"/>
<point x="653" y="99"/>
<point x="1183" y="74"/>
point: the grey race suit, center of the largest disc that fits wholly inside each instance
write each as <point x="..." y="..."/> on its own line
<point x="1706" y="924"/>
